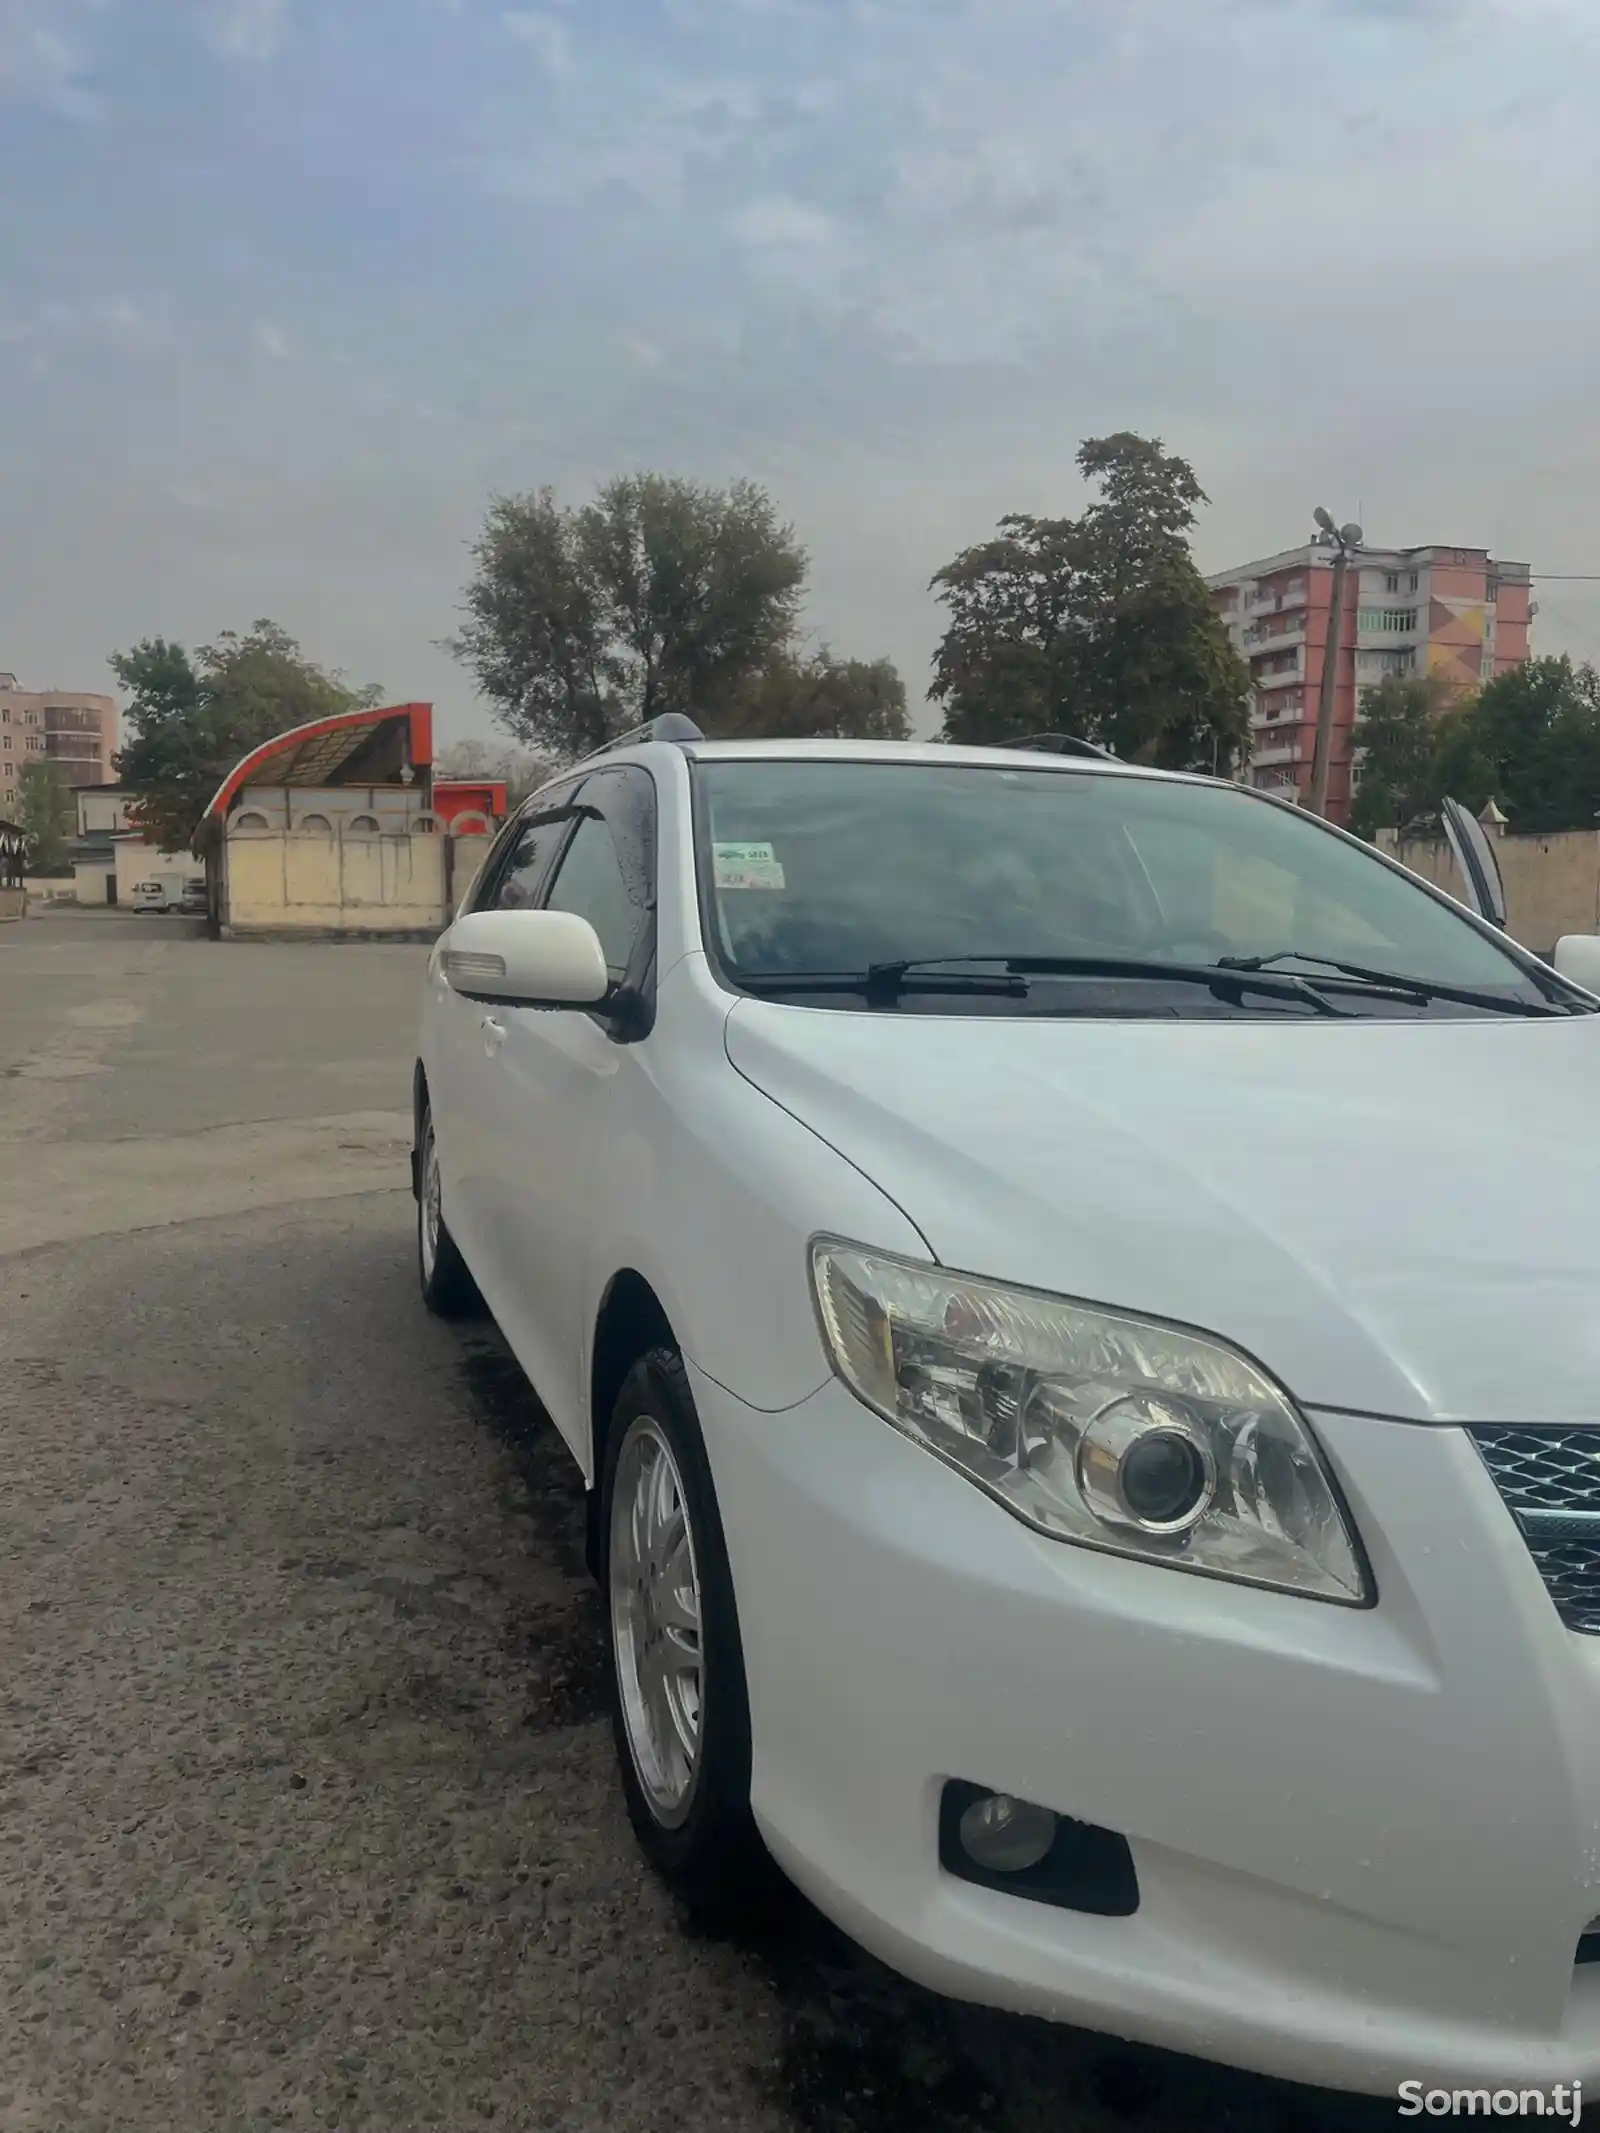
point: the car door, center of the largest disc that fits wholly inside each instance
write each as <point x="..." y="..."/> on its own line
<point x="551" y="1086"/>
<point x="466" y="1038"/>
<point x="1476" y="862"/>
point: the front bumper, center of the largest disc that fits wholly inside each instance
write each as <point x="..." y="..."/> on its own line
<point x="1367" y="1841"/>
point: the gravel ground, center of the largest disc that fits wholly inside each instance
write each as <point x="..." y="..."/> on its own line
<point x="307" y="1807"/>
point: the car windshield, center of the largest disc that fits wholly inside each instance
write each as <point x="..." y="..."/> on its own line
<point x="832" y="868"/>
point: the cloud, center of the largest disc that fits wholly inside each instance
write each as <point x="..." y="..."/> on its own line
<point x="710" y="14"/>
<point x="549" y="39"/>
<point x="46" y="54"/>
<point x="1403" y="10"/>
<point x="796" y="247"/>
<point x="250" y="32"/>
<point x="894" y="257"/>
<point x="974" y="179"/>
<point x="191" y="498"/>
<point x="130" y="321"/>
<point x="127" y="324"/>
<point x="935" y="242"/>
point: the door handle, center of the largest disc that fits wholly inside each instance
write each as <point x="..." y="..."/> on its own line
<point x="494" y="1034"/>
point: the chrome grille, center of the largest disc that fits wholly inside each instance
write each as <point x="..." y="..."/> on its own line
<point x="1550" y="1480"/>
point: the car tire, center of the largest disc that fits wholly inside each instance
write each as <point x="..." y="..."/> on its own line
<point x="689" y="1804"/>
<point x="448" y="1288"/>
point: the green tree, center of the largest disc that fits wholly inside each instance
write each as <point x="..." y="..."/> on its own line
<point x="1572" y="763"/>
<point x="191" y="719"/>
<point x="520" y="772"/>
<point x="1397" y="732"/>
<point x="1100" y="626"/>
<point x="1459" y="769"/>
<point x="661" y="595"/>
<point x="1531" y="740"/>
<point x="47" y="814"/>
<point x="818" y="695"/>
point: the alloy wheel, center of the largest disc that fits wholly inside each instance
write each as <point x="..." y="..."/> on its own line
<point x="656" y="1621"/>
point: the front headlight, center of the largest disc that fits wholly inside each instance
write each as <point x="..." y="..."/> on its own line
<point x="1091" y="1426"/>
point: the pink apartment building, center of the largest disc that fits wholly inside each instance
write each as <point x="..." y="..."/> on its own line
<point x="67" y="727"/>
<point x="1454" y="612"/>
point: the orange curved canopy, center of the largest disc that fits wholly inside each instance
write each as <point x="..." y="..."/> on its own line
<point x="347" y="748"/>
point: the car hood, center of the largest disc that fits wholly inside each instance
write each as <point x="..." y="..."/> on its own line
<point x="1397" y="1218"/>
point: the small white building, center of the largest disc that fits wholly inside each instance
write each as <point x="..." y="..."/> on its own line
<point x="110" y="853"/>
<point x="328" y="830"/>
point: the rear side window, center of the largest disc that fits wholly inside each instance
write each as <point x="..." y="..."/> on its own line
<point x="607" y="873"/>
<point x="527" y="864"/>
<point x="514" y="875"/>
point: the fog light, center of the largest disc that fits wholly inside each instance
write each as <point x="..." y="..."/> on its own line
<point x="1141" y="1464"/>
<point x="996" y="1842"/>
<point x="1006" y="1836"/>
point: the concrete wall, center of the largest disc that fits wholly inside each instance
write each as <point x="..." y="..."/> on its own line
<point x="467" y="855"/>
<point x="92" y="877"/>
<point x="392" y="807"/>
<point x="1552" y="883"/>
<point x="314" y="883"/>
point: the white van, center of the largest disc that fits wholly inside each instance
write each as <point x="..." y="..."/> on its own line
<point x="149" y="896"/>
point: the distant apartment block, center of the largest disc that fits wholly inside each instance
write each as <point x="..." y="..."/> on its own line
<point x="64" y="726"/>
<point x="1454" y="612"/>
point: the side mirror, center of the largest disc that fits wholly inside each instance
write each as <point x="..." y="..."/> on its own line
<point x="526" y="959"/>
<point x="1577" y="957"/>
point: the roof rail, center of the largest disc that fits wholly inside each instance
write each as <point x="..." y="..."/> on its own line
<point x="669" y="726"/>
<point x="1058" y="744"/>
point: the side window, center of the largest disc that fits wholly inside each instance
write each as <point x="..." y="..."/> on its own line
<point x="607" y="874"/>
<point x="514" y="875"/>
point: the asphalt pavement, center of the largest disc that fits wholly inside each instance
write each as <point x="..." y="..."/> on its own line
<point x="307" y="1806"/>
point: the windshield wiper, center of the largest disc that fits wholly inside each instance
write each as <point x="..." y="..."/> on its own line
<point x="1392" y="981"/>
<point x="880" y="990"/>
<point x="886" y="979"/>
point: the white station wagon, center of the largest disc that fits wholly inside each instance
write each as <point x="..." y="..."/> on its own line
<point x="1075" y="1292"/>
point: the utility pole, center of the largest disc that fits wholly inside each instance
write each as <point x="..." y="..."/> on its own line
<point x="1345" y="539"/>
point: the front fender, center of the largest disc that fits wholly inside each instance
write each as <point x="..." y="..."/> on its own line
<point x="712" y="1192"/>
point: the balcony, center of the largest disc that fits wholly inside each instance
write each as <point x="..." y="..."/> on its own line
<point x="1288" y="678"/>
<point x="1380" y="627"/>
<point x="1276" y="751"/>
<point x="1277" y="714"/>
<point x="1277" y="629"/>
<point x="1278" y="601"/>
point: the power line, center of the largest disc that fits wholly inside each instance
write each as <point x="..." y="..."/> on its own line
<point x="1578" y="630"/>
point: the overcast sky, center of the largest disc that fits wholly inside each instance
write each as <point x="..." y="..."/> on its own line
<point x="288" y="287"/>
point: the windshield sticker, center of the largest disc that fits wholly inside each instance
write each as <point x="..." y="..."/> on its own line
<point x="745" y="866"/>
